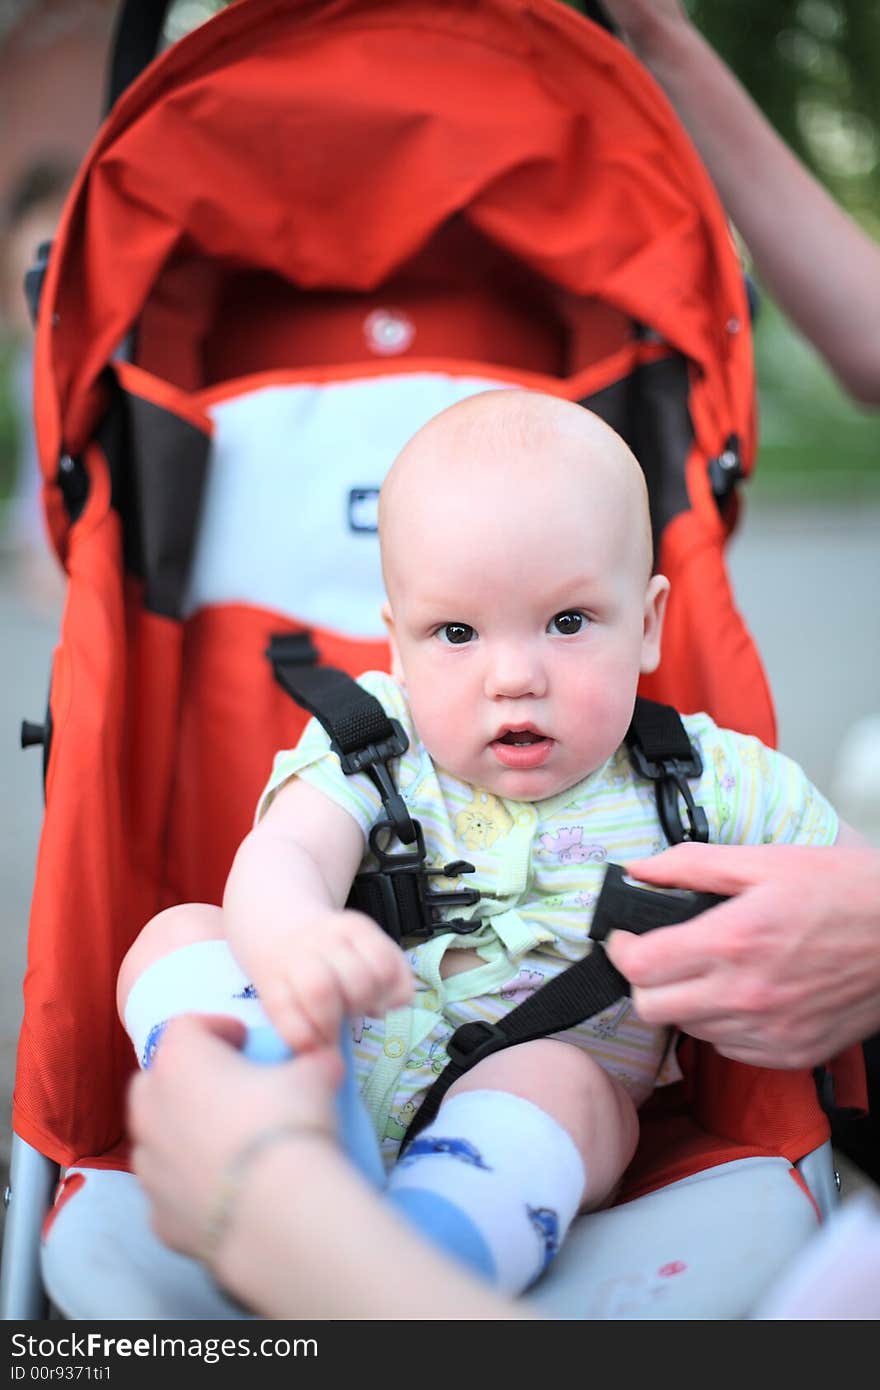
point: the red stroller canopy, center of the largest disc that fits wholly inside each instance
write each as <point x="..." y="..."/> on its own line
<point x="323" y="145"/>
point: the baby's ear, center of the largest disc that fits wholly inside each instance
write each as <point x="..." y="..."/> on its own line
<point x="388" y="620"/>
<point x="656" y="595"/>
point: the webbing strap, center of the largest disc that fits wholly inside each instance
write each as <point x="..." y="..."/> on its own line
<point x="360" y="732"/>
<point x="352" y="717"/>
<point x="658" y="733"/>
<point x="659" y="749"/>
<point x="579" y="992"/>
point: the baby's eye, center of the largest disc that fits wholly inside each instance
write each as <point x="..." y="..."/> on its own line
<point x="456" y="634"/>
<point x="568" y="623"/>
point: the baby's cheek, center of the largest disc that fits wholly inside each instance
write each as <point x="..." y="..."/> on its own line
<point x="443" y="729"/>
<point x="601" y="728"/>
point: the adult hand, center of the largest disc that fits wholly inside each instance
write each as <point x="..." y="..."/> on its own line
<point x="786" y="974"/>
<point x="200" y="1103"/>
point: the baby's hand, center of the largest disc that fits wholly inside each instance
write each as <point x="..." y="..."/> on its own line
<point x="336" y="967"/>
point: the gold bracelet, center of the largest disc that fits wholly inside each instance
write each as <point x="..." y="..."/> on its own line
<point x="229" y="1186"/>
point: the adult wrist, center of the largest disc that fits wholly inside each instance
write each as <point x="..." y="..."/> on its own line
<point x="281" y="1147"/>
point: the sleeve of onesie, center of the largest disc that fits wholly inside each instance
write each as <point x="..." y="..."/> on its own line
<point x="314" y="761"/>
<point x="759" y="796"/>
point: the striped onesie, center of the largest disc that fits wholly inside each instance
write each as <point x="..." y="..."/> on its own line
<point x="538" y="868"/>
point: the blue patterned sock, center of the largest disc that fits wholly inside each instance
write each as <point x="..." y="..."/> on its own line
<point x="494" y="1181"/>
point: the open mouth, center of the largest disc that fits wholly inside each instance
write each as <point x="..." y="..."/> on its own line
<point x="522" y="749"/>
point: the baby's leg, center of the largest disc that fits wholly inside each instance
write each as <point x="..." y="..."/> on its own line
<point x="181" y="964"/>
<point x="570" y="1086"/>
<point x="520" y="1144"/>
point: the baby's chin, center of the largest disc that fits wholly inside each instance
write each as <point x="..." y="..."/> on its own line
<point x="516" y="784"/>
<point x="539" y="785"/>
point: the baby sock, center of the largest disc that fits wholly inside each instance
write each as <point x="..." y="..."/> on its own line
<point x="205" y="978"/>
<point x="202" y="978"/>
<point x="494" y="1181"/>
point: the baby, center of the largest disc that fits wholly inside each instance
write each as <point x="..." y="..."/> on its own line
<point x="522" y="610"/>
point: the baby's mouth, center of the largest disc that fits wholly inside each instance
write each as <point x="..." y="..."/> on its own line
<point x="522" y="749"/>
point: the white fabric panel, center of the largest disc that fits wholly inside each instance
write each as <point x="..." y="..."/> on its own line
<point x="276" y="529"/>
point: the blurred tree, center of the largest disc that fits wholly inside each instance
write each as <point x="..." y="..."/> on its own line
<point x="813" y="66"/>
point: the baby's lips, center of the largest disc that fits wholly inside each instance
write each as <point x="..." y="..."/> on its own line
<point x="520" y="736"/>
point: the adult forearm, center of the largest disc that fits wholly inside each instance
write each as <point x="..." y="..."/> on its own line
<point x="820" y="266"/>
<point x="310" y="1239"/>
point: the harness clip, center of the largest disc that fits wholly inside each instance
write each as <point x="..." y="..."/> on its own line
<point x="472" y="1042"/>
<point x="373" y="759"/>
<point x="397" y="894"/>
<point x="671" y="775"/>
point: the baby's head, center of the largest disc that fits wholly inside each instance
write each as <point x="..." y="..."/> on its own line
<point x="516" y="551"/>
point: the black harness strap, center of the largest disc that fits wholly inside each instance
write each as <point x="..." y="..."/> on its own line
<point x="660" y="750"/>
<point x="360" y="732"/>
<point x="584" y="989"/>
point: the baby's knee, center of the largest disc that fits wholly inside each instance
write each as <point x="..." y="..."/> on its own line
<point x="585" y="1100"/>
<point x="166" y="932"/>
<point x="604" y="1124"/>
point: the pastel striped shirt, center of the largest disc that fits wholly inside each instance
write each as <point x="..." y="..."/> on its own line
<point x="538" y="868"/>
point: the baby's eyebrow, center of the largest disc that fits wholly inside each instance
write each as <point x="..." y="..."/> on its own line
<point x="442" y="609"/>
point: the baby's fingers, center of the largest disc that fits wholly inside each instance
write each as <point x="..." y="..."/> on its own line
<point x="375" y="972"/>
<point x="307" y="1009"/>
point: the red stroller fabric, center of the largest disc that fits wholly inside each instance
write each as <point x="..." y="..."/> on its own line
<point x="511" y="181"/>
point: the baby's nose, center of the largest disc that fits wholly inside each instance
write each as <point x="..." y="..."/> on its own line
<point x="512" y="672"/>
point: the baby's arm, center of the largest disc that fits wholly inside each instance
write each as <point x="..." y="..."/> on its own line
<point x="313" y="963"/>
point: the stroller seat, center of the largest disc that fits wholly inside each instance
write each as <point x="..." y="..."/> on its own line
<point x="708" y="1246"/>
<point x="363" y="211"/>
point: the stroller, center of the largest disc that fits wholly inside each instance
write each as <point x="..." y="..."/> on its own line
<point x="303" y="230"/>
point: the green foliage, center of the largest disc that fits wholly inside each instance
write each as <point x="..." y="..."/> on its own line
<point x="813" y="67"/>
<point x="814" y="442"/>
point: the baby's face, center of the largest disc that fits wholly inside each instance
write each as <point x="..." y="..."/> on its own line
<point x="522" y="613"/>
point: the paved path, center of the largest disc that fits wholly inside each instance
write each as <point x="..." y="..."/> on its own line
<point x="807" y="581"/>
<point x="27" y="637"/>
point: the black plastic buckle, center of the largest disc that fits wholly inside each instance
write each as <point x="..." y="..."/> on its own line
<point x="671" y="788"/>
<point x="640" y="907"/>
<point x="671" y="775"/>
<point x="427" y="904"/>
<point x="373" y="759"/>
<point x="725" y="471"/>
<point x="472" y="1042"/>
